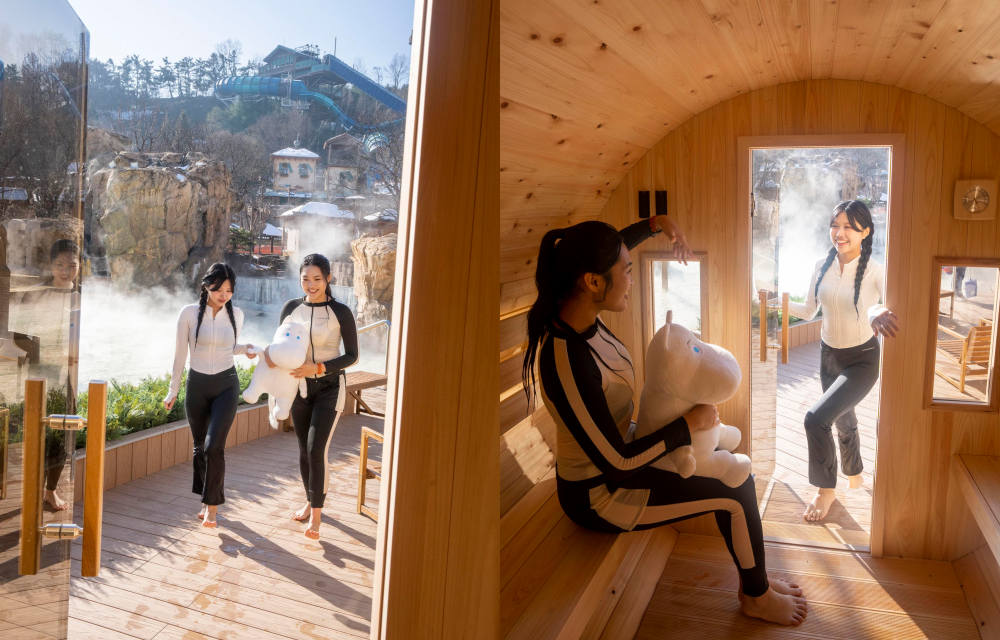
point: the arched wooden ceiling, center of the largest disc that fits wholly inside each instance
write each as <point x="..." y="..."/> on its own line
<point x="587" y="86"/>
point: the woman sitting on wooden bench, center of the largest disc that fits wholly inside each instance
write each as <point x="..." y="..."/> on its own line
<point x="587" y="384"/>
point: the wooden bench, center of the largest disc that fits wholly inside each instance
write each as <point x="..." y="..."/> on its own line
<point x="979" y="479"/>
<point x="357" y="381"/>
<point x="558" y="580"/>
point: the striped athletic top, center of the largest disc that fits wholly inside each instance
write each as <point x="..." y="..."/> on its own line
<point x="586" y="382"/>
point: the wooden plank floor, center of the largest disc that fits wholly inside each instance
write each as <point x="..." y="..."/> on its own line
<point x="164" y="577"/>
<point x="784" y="494"/>
<point x="851" y="595"/>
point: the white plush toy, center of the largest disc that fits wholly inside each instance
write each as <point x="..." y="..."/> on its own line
<point x="682" y="371"/>
<point x="287" y="352"/>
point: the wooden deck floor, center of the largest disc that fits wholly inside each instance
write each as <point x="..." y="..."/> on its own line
<point x="164" y="577"/>
<point x="851" y="595"/>
<point x="784" y="494"/>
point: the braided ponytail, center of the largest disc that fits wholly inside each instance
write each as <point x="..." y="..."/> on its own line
<point x="822" y="270"/>
<point x="217" y="276"/>
<point x="866" y="252"/>
<point x="202" y="303"/>
<point x="860" y="218"/>
<point x="232" y="319"/>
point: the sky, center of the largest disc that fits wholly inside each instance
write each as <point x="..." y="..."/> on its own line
<point x="371" y="29"/>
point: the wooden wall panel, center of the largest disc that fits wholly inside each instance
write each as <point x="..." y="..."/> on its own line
<point x="695" y="163"/>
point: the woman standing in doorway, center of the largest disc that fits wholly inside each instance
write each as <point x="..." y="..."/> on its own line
<point x="846" y="281"/>
<point x="315" y="416"/>
<point x="213" y="386"/>
<point x="47" y="311"/>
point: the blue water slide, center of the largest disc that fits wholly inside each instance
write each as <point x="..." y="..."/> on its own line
<point x="361" y="81"/>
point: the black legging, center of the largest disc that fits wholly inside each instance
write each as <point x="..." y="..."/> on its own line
<point x="673" y="498"/>
<point x="211" y="404"/>
<point x="847" y="375"/>
<point x="314" y="418"/>
<point x="55" y="457"/>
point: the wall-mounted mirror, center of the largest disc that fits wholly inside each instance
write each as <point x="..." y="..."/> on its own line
<point x="962" y="345"/>
<point x="669" y="285"/>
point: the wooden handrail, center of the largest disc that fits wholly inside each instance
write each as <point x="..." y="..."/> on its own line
<point x="33" y="469"/>
<point x="93" y="484"/>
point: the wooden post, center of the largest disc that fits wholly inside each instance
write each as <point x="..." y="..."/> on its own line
<point x="784" y="328"/>
<point x="93" y="488"/>
<point x="436" y="557"/>
<point x="762" y="297"/>
<point x="33" y="468"/>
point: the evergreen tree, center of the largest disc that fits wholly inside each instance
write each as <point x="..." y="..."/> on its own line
<point x="165" y="77"/>
<point x="183" y="134"/>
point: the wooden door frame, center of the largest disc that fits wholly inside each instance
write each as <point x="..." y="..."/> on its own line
<point x="893" y="284"/>
<point x="436" y="548"/>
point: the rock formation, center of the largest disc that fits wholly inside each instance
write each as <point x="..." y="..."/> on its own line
<point x="160" y="218"/>
<point x="374" y="260"/>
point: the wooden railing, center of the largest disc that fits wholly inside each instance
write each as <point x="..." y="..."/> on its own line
<point x="766" y="306"/>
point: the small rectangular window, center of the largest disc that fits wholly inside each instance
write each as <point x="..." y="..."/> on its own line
<point x="964" y="300"/>
<point x="668" y="285"/>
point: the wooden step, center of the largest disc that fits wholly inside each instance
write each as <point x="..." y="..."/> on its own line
<point x="979" y="479"/>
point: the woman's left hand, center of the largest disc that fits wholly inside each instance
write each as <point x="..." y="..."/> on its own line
<point x="885" y="324"/>
<point x="251" y="351"/>
<point x="673" y="231"/>
<point x="308" y="369"/>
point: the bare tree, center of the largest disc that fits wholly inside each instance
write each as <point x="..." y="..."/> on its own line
<point x="230" y="51"/>
<point x="360" y="66"/>
<point x="142" y="122"/>
<point x="399" y="70"/>
<point x="246" y="158"/>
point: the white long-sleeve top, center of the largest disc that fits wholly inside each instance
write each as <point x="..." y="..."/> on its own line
<point x="844" y="326"/>
<point x="215" y="348"/>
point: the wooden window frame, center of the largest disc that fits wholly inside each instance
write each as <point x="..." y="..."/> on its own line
<point x="993" y="403"/>
<point x="646" y="260"/>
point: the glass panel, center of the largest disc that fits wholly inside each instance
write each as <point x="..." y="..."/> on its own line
<point x="677" y="288"/>
<point x="43" y="46"/>
<point x="966" y="334"/>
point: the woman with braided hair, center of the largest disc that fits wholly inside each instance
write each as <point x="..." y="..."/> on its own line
<point x="844" y="283"/>
<point x="213" y="387"/>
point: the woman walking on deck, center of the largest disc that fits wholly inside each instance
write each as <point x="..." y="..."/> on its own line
<point x="846" y="281"/>
<point x="213" y="386"/>
<point x="315" y="416"/>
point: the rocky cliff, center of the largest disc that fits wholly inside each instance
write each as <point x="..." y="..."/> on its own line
<point x="160" y="218"/>
<point x="374" y="260"/>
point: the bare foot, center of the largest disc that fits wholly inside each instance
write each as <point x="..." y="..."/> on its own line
<point x="302" y="514"/>
<point x="856" y="481"/>
<point x="57" y="503"/>
<point x="210" y="514"/>
<point x="776" y="607"/>
<point x="782" y="586"/>
<point x="820" y="505"/>
<point x="312" y="531"/>
<point x="785" y="587"/>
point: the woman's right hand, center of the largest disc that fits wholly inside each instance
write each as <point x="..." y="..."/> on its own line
<point x="169" y="404"/>
<point x="267" y="358"/>
<point x="703" y="416"/>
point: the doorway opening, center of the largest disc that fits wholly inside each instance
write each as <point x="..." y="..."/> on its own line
<point x="793" y="193"/>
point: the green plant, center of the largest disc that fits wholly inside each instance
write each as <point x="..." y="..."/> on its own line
<point x="132" y="406"/>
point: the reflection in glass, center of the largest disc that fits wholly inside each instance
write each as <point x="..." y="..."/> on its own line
<point x="677" y="288"/>
<point x="43" y="48"/>
<point x="966" y="334"/>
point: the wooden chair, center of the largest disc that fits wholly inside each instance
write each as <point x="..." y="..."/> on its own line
<point x="967" y="352"/>
<point x="366" y="473"/>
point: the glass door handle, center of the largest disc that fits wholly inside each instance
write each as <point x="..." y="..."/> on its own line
<point x="32" y="530"/>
